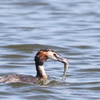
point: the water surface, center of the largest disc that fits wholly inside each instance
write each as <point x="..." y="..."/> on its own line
<point x="71" y="28"/>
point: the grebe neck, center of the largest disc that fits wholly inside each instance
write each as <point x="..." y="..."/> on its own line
<point x="40" y="71"/>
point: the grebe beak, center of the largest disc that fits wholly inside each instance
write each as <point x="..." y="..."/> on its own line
<point x="62" y="60"/>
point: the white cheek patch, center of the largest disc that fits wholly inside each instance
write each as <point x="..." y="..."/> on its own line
<point x="51" y="56"/>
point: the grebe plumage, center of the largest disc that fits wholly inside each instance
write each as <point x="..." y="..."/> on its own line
<point x="40" y="58"/>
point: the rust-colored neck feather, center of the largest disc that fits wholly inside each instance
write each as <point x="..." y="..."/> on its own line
<point x="40" y="58"/>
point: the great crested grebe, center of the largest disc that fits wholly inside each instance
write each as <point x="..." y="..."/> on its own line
<point x="40" y="58"/>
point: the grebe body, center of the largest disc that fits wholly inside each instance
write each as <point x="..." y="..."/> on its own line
<point x="40" y="58"/>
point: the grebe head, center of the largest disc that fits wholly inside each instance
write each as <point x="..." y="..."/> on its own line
<point x="45" y="54"/>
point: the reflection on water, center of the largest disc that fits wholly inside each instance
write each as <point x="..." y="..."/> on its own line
<point x="69" y="27"/>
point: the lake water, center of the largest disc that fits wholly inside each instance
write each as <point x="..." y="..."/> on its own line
<point x="70" y="27"/>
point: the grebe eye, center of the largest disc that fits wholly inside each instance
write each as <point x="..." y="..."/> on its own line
<point x="55" y="55"/>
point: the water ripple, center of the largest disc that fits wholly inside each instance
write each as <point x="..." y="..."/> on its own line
<point x="71" y="28"/>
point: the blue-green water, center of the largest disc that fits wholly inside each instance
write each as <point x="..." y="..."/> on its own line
<point x="70" y="27"/>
